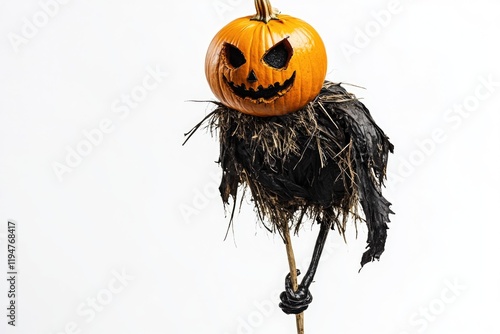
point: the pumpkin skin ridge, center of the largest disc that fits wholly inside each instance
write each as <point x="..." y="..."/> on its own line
<point x="308" y="59"/>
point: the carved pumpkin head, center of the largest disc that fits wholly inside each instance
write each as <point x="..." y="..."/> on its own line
<point x="266" y="65"/>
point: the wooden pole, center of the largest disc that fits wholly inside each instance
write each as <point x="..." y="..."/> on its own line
<point x="299" y="318"/>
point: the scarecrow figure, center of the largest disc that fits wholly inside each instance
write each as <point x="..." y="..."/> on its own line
<point x="304" y="147"/>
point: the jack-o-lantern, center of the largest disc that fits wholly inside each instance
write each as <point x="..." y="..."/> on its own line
<point x="321" y="157"/>
<point x="266" y="65"/>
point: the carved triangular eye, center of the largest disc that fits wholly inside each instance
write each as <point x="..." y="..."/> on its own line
<point x="279" y="55"/>
<point x="234" y="56"/>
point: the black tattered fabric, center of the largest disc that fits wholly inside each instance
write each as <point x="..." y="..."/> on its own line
<point x="321" y="163"/>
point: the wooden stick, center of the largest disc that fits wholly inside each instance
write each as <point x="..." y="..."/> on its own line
<point x="299" y="318"/>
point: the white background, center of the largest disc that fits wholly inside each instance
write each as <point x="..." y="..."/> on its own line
<point x="142" y="205"/>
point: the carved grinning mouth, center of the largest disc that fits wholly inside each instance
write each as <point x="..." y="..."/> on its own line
<point x="267" y="94"/>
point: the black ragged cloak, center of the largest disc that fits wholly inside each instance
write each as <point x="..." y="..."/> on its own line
<point x="322" y="162"/>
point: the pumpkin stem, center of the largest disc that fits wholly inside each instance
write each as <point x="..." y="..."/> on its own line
<point x="265" y="12"/>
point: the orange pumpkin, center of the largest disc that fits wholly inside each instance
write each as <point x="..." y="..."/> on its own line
<point x="266" y="65"/>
